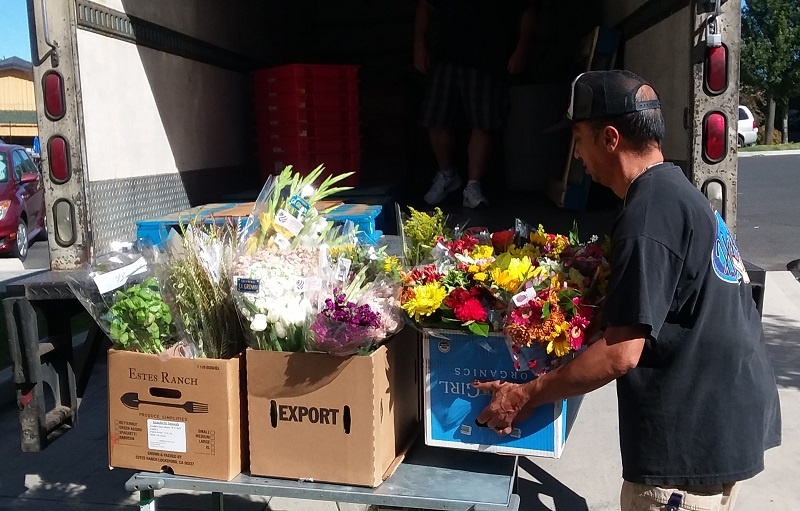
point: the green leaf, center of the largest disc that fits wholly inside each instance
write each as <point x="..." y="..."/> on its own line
<point x="546" y="310"/>
<point x="573" y="234"/>
<point x="450" y="320"/>
<point x="481" y="329"/>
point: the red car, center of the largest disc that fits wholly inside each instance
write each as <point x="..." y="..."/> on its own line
<point x="22" y="207"/>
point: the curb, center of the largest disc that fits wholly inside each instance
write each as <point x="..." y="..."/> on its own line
<point x="750" y="154"/>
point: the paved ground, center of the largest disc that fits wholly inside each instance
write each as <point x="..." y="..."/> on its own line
<point x="72" y="474"/>
<point x="11" y="268"/>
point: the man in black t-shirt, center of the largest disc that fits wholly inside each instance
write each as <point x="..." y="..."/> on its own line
<point x="698" y="402"/>
<point x="476" y="45"/>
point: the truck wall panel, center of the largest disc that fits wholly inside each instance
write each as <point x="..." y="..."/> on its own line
<point x="170" y="114"/>
<point x="662" y="56"/>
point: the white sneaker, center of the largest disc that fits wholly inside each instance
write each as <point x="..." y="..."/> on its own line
<point x="473" y="197"/>
<point x="443" y="184"/>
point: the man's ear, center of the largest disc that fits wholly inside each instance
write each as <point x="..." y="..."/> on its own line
<point x="611" y="138"/>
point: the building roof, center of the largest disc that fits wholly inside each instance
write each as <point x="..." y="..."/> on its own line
<point x="16" y="63"/>
<point x="17" y="117"/>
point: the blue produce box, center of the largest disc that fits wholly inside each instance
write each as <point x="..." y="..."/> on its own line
<point x="452" y="360"/>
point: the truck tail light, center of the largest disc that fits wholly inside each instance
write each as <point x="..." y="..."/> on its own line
<point x="64" y="222"/>
<point x="755" y="125"/>
<point x="58" y="158"/>
<point x="715" y="137"/>
<point x="716" y="69"/>
<point x="55" y="104"/>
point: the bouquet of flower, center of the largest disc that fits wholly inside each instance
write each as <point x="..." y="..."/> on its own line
<point x="193" y="270"/>
<point x="123" y="297"/>
<point x="343" y="327"/>
<point x="548" y="318"/>
<point x="278" y="271"/>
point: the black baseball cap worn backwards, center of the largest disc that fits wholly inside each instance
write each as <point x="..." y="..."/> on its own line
<point x="599" y="94"/>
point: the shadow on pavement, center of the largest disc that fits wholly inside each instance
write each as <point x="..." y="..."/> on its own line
<point x="784" y="349"/>
<point x="564" y="499"/>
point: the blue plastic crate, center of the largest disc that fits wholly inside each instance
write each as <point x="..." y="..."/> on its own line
<point x="156" y="230"/>
<point x="452" y="360"/>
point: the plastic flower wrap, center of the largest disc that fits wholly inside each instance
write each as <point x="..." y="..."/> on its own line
<point x="123" y="297"/>
<point x="193" y="271"/>
<point x="358" y="316"/>
<point x="279" y="268"/>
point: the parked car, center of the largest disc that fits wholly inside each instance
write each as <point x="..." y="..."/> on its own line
<point x="22" y="207"/>
<point x="748" y="127"/>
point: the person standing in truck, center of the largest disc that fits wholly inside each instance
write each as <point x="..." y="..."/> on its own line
<point x="477" y="45"/>
<point x="698" y="401"/>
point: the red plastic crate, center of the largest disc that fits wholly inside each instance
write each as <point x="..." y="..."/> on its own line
<point x="310" y="145"/>
<point x="329" y="100"/>
<point x="307" y="78"/>
<point x="335" y="163"/>
<point x="311" y="116"/>
<point x="274" y="129"/>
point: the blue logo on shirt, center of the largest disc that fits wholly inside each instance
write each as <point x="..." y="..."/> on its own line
<point x="725" y="258"/>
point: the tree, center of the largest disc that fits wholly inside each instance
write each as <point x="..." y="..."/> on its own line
<point x="770" y="55"/>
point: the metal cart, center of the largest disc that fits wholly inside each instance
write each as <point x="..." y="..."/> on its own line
<point x="428" y="478"/>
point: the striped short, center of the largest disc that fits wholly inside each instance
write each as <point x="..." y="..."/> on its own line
<point x="460" y="95"/>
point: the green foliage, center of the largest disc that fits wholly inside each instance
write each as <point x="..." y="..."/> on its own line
<point x="420" y="232"/>
<point x="140" y="319"/>
<point x="770" y="49"/>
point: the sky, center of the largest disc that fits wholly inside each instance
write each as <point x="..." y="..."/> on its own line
<point x="14" y="38"/>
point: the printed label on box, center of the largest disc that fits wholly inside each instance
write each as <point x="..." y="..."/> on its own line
<point x="166" y="435"/>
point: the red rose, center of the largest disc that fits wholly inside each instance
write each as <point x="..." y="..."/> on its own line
<point x="502" y="239"/>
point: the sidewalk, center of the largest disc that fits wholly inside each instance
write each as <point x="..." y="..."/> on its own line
<point x="72" y="474"/>
<point x="788" y="152"/>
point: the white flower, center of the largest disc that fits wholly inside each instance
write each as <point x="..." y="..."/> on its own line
<point x="280" y="330"/>
<point x="272" y="314"/>
<point x="259" y="323"/>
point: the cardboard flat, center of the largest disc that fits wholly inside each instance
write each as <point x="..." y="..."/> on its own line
<point x="345" y="420"/>
<point x="452" y="360"/>
<point x="176" y="414"/>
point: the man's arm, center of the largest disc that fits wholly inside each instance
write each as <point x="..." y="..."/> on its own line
<point x="421" y="23"/>
<point x="616" y="353"/>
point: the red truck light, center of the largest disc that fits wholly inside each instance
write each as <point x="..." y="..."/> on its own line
<point x="58" y="157"/>
<point x="716" y="69"/>
<point x="755" y="124"/>
<point x="715" y="137"/>
<point x="55" y="104"/>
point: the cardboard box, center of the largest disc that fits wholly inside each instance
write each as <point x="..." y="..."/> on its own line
<point x="452" y="360"/>
<point x="178" y="414"/>
<point x="346" y="420"/>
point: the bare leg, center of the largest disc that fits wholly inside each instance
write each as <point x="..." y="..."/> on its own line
<point x="480" y="145"/>
<point x="441" y="143"/>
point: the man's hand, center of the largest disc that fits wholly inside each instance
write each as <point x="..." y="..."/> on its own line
<point x="507" y="407"/>
<point x="422" y="60"/>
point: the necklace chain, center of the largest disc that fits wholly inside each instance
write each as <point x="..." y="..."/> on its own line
<point x="625" y="199"/>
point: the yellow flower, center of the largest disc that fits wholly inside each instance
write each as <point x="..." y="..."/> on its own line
<point x="539" y="237"/>
<point x="426" y="300"/>
<point x="531" y="251"/>
<point x="559" y="244"/>
<point x="482" y="252"/>
<point x="503" y="280"/>
<point x="560" y="342"/>
<point x="520" y="269"/>
<point x="480" y="276"/>
<point x="390" y="264"/>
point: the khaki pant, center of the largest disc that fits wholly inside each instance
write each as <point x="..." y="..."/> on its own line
<point x="642" y="497"/>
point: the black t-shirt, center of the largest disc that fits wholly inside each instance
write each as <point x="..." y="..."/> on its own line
<point x="477" y="33"/>
<point x="702" y="404"/>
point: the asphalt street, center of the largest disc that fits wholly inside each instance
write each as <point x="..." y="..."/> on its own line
<point x="768" y="214"/>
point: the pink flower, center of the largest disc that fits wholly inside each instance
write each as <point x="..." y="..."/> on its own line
<point x="576" y="331"/>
